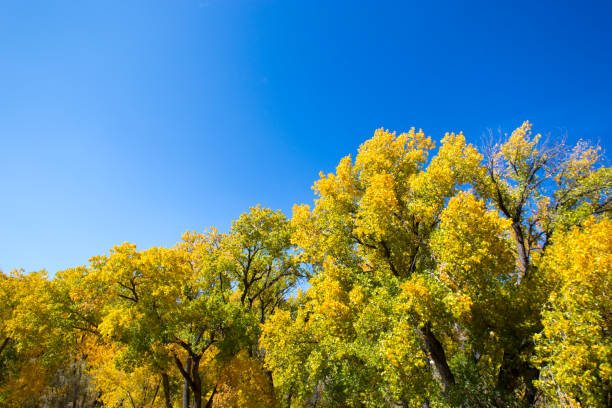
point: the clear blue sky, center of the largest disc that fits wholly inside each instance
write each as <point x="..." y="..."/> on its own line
<point x="137" y="120"/>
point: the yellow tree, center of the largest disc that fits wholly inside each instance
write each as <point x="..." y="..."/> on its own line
<point x="368" y="233"/>
<point x="35" y="345"/>
<point x="7" y="304"/>
<point x="259" y="258"/>
<point x="135" y="387"/>
<point x="574" y="350"/>
<point x="426" y="293"/>
<point x="197" y="305"/>
<point x="170" y="306"/>
<point x="476" y="282"/>
<point x="540" y="188"/>
<point x="244" y="383"/>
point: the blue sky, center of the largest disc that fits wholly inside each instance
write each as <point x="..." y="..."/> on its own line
<point x="137" y="120"/>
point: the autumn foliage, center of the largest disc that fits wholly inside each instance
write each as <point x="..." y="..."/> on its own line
<point x="422" y="276"/>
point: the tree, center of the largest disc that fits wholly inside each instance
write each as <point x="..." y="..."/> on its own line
<point x="170" y="306"/>
<point x="33" y="345"/>
<point x="437" y="278"/>
<point x="574" y="350"/>
<point x="540" y="188"/>
<point x="134" y="387"/>
<point x="260" y="259"/>
<point x="452" y="278"/>
<point x="368" y="233"/>
<point x="244" y="383"/>
<point x="193" y="308"/>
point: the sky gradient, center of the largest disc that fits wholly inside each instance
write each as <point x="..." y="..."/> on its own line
<point x="138" y="120"/>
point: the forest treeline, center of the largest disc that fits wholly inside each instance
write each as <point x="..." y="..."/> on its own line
<point x="422" y="276"/>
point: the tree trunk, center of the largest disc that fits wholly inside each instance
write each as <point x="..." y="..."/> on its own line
<point x="186" y="391"/>
<point x="507" y="372"/>
<point x="166" y="385"/>
<point x="436" y="352"/>
<point x="76" y="381"/>
<point x="270" y="378"/>
<point x="521" y="249"/>
<point x="155" y="395"/>
<point x="512" y="369"/>
<point x="197" y="384"/>
<point x="212" y="397"/>
<point x="531" y="391"/>
<point x="4" y="344"/>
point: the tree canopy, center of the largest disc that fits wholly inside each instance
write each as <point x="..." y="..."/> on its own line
<point x="422" y="276"/>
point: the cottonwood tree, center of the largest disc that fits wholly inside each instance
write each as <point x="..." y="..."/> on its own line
<point x="540" y="188"/>
<point x="368" y="233"/>
<point x="171" y="306"/>
<point x="427" y="293"/>
<point x="574" y="350"/>
<point x="193" y="308"/>
<point x="40" y="357"/>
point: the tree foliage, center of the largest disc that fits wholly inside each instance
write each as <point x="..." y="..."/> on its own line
<point x="437" y="277"/>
